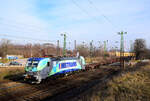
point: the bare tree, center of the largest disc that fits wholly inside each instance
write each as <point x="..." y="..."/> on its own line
<point x="4" y="45"/>
<point x="83" y="50"/>
<point x="140" y="48"/>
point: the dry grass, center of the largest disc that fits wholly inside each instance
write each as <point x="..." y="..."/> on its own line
<point x="8" y="71"/>
<point x="130" y="86"/>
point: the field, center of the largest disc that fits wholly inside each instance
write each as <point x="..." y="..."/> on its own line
<point x="106" y="83"/>
<point x="8" y="72"/>
<point x="133" y="84"/>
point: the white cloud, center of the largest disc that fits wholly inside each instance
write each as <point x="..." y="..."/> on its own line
<point x="17" y="18"/>
<point x="64" y="16"/>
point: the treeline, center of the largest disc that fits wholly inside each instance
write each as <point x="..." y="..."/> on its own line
<point x="91" y="51"/>
<point x="40" y="50"/>
<point x="27" y="50"/>
<point x="139" y="47"/>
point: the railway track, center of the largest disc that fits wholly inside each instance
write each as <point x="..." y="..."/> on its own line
<point x="71" y="90"/>
<point x="18" y="83"/>
<point x="52" y="87"/>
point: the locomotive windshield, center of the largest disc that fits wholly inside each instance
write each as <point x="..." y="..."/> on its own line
<point x="32" y="63"/>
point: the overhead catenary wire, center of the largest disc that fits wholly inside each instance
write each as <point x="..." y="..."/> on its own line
<point x="16" y="27"/>
<point x="86" y="12"/>
<point x="75" y="3"/>
<point x="20" y="23"/>
<point x="9" y="27"/>
<point x="28" y="38"/>
<point x="114" y="27"/>
<point x="21" y="32"/>
<point x="106" y="18"/>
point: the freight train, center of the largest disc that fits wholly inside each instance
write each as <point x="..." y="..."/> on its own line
<point x="37" y="69"/>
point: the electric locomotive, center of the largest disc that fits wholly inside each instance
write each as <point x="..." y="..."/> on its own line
<point x="37" y="69"/>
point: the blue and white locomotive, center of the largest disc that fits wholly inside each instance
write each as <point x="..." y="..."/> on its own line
<point x="41" y="68"/>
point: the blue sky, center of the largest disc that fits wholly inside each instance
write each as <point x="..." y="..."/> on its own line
<point x="47" y="19"/>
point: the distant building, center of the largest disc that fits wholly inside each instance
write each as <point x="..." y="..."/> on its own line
<point x="14" y="57"/>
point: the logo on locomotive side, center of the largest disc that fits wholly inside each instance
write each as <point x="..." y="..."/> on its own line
<point x="67" y="64"/>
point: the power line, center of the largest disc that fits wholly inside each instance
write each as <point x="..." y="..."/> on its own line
<point x="20" y="23"/>
<point x="9" y="30"/>
<point x="80" y="8"/>
<point x="8" y="27"/>
<point x="85" y="11"/>
<point x="106" y="18"/>
<point x="15" y="29"/>
<point x="19" y="27"/>
<point x="122" y="49"/>
<point x="12" y="36"/>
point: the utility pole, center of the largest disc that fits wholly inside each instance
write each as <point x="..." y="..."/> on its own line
<point x="83" y="43"/>
<point x="131" y="46"/>
<point x="75" y="47"/>
<point x="69" y="45"/>
<point x="99" y="53"/>
<point x="105" y="48"/>
<point x="31" y="50"/>
<point x="91" y="49"/>
<point x="116" y="48"/>
<point x="58" y="51"/>
<point x="64" y="48"/>
<point x="122" y="49"/>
